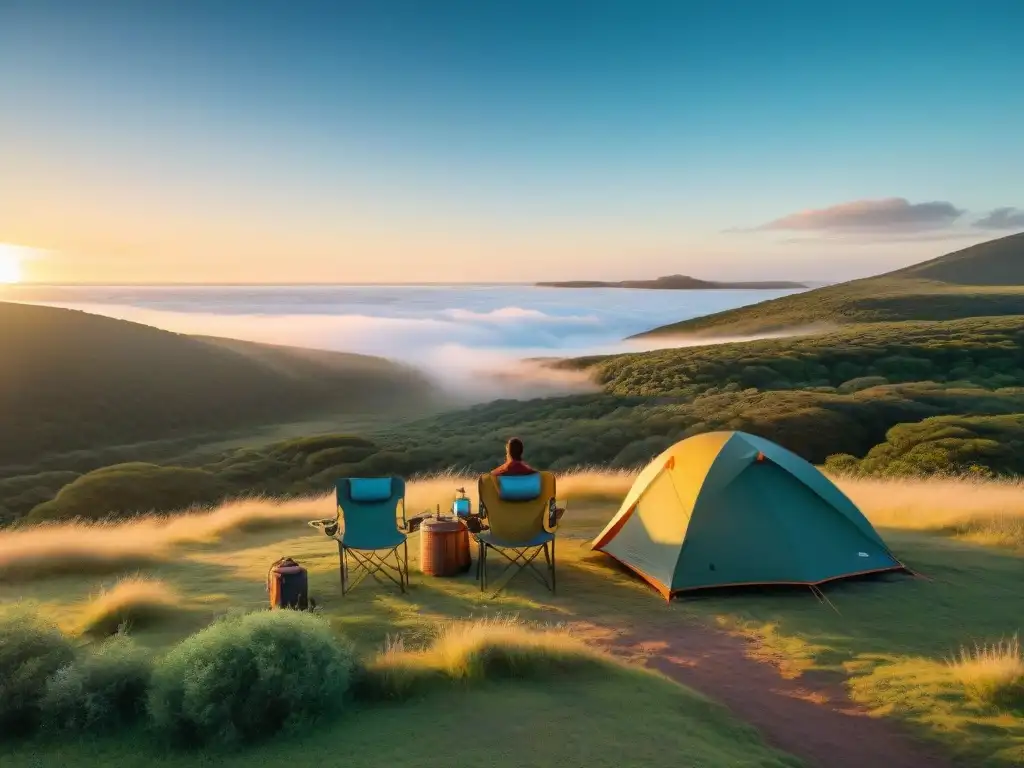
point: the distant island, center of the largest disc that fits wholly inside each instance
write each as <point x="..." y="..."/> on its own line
<point x="674" y="283"/>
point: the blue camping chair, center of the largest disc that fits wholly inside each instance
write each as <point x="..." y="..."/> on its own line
<point x="367" y="507"/>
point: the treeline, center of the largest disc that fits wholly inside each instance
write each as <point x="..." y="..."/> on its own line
<point x="560" y="433"/>
<point x="977" y="352"/>
<point x="943" y="445"/>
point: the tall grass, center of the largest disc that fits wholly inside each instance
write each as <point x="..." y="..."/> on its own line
<point x="993" y="674"/>
<point x="111" y="547"/>
<point x="133" y="603"/>
<point x="983" y="510"/>
<point x="473" y="651"/>
<point x="988" y="511"/>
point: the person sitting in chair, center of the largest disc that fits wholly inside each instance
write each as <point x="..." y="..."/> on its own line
<point x="514" y="465"/>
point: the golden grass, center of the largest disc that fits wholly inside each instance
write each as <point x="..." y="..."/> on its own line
<point x="982" y="510"/>
<point x="993" y="674"/>
<point x="104" y="547"/>
<point x="133" y="603"/>
<point x="986" y="511"/>
<point x="474" y="651"/>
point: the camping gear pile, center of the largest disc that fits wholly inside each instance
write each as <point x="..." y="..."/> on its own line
<point x="719" y="509"/>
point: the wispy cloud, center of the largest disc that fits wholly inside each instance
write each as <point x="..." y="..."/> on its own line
<point x="1002" y="218"/>
<point x="888" y="215"/>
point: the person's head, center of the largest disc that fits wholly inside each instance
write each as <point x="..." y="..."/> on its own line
<point x="514" y="449"/>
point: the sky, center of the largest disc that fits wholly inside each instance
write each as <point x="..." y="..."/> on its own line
<point x="440" y="141"/>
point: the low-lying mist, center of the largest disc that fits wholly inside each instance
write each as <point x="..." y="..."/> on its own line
<point x="474" y="356"/>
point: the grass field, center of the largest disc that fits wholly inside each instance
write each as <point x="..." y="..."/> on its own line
<point x="892" y="637"/>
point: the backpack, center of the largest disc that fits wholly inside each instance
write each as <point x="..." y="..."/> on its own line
<point x="288" y="585"/>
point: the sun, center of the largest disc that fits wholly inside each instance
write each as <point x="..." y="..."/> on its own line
<point x="10" y="264"/>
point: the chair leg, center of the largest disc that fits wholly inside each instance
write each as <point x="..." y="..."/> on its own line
<point x="552" y="566"/>
<point x="483" y="566"/>
<point x="405" y="549"/>
<point x="342" y="566"/>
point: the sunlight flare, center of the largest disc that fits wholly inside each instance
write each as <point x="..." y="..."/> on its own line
<point x="10" y="263"/>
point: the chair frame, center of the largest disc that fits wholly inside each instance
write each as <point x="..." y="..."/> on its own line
<point x="523" y="557"/>
<point x="367" y="561"/>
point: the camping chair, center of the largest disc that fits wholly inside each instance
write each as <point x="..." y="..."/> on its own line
<point x="519" y="512"/>
<point x="367" y="506"/>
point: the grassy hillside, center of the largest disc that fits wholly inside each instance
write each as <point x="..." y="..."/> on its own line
<point x="891" y="638"/>
<point x="70" y="380"/>
<point x="984" y="280"/>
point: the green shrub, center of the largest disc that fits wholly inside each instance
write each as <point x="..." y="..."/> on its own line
<point x="863" y="382"/>
<point x="246" y="677"/>
<point x="129" y="489"/>
<point x="101" y="690"/>
<point x="31" y="650"/>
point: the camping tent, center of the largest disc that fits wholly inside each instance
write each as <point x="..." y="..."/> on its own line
<point x="729" y="509"/>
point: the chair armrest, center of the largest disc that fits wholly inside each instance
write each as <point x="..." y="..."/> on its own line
<point x="550" y="520"/>
<point x="329" y="526"/>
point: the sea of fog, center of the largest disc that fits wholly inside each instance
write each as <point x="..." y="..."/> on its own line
<point x="467" y="336"/>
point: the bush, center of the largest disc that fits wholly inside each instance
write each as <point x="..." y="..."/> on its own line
<point x="30" y="651"/>
<point x="131" y="489"/>
<point x="861" y="383"/>
<point x="100" y="691"/>
<point x="247" y="677"/>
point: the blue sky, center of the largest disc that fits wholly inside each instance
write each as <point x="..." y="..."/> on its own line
<point x="509" y="141"/>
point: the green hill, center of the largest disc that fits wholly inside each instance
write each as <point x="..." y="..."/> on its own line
<point x="985" y="280"/>
<point x="70" y="381"/>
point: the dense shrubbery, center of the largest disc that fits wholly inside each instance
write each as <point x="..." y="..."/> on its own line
<point x="984" y="445"/>
<point x="31" y="650"/>
<point x="101" y="690"/>
<point x="246" y="678"/>
<point x="984" y="352"/>
<point x="127" y="489"/>
<point x="250" y="677"/>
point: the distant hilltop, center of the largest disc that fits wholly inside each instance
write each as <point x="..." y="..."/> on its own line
<point x="674" y="283"/>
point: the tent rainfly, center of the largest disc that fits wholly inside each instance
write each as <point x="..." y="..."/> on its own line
<point x="731" y="509"/>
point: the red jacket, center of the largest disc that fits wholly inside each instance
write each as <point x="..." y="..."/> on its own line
<point x="512" y="467"/>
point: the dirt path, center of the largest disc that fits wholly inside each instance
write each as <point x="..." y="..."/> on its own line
<point x="811" y="717"/>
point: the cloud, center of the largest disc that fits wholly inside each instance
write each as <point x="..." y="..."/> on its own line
<point x="870" y="238"/>
<point x="888" y="215"/>
<point x="1002" y="218"/>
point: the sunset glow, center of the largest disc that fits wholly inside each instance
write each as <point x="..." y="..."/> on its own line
<point x="10" y="264"/>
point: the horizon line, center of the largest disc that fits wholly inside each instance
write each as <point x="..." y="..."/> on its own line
<point x="389" y="284"/>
